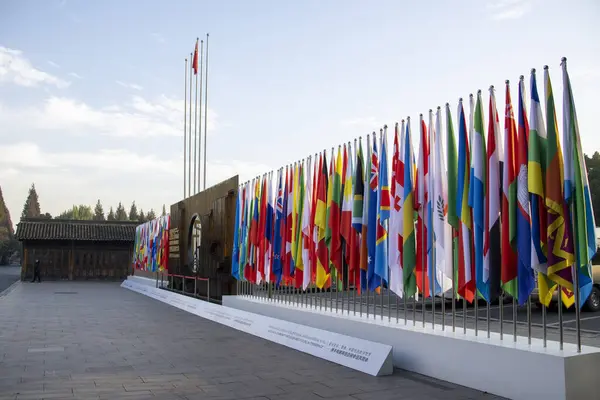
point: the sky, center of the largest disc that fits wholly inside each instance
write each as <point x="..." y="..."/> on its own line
<point x="91" y="93"/>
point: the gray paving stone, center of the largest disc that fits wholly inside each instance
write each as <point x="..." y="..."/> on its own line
<point x="105" y="342"/>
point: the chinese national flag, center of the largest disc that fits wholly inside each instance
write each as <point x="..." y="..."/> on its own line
<point x="195" y="61"/>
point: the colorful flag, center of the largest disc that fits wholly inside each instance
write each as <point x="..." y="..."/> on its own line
<point x="298" y="209"/>
<point x="453" y="221"/>
<point x="374" y="282"/>
<point x="491" y="243"/>
<point x="509" y="202"/>
<point x="321" y="224"/>
<point x="335" y="245"/>
<point x="536" y="165"/>
<point x="561" y="254"/>
<point x="261" y="242"/>
<point x="395" y="226"/>
<point x="364" y="249"/>
<point x="307" y="243"/>
<point x="422" y="196"/>
<point x="408" y="220"/>
<point x="577" y="191"/>
<point x="278" y="230"/>
<point x="383" y="214"/>
<point x="357" y="211"/>
<point x="442" y="231"/>
<point x="526" y="279"/>
<point x="466" y="268"/>
<point x="195" y="59"/>
<point x="268" y="246"/>
<point x="477" y="199"/>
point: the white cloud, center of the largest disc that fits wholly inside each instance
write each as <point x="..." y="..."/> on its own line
<point x="53" y="64"/>
<point x="129" y="85"/>
<point x="140" y="117"/>
<point x="158" y="37"/>
<point x="509" y="9"/>
<point x="75" y="75"/>
<point x="69" y="177"/>
<point x="16" y="69"/>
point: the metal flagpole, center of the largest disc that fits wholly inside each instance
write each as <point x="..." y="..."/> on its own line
<point x="190" y="132"/>
<point x="380" y="157"/>
<point x="185" y="131"/>
<point x="196" y="153"/>
<point x="423" y="242"/>
<point x="431" y="237"/>
<point x="205" y="109"/>
<point x="471" y="129"/>
<point x="199" y="149"/>
<point x="560" y="318"/>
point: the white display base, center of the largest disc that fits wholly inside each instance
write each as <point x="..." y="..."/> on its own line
<point x="501" y="367"/>
<point x="362" y="355"/>
<point x="146" y="281"/>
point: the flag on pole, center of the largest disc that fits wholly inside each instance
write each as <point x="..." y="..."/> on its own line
<point x="466" y="268"/>
<point x="442" y="230"/>
<point x="536" y="175"/>
<point x="268" y="255"/>
<point x="422" y="196"/>
<point x="408" y="219"/>
<point x="195" y="59"/>
<point x="561" y="255"/>
<point x="526" y="279"/>
<point x="262" y="222"/>
<point x="364" y="249"/>
<point x="335" y="248"/>
<point x="577" y="192"/>
<point x="298" y="209"/>
<point x="491" y="244"/>
<point x="357" y="213"/>
<point x="307" y="244"/>
<point x="477" y="199"/>
<point x="346" y="217"/>
<point x="374" y="282"/>
<point x="278" y="230"/>
<point x="321" y="224"/>
<point x="395" y="226"/>
<point x="383" y="214"/>
<point x="453" y="221"/>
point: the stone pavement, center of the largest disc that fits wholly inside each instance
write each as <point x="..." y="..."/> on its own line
<point x="97" y="341"/>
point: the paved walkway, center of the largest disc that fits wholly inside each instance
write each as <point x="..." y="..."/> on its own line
<point x="98" y="341"/>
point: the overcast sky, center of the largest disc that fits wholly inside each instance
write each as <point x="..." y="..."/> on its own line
<point x="91" y="93"/>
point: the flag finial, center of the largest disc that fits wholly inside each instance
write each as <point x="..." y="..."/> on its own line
<point x="460" y="100"/>
<point x="563" y="60"/>
<point x="448" y="104"/>
<point x="478" y="92"/>
<point x="508" y="82"/>
<point x="439" y="108"/>
<point x="546" y="68"/>
<point x="470" y="95"/>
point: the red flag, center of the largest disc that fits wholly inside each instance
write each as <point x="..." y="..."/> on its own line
<point x="195" y="60"/>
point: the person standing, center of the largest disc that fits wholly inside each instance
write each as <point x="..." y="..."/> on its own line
<point x="36" y="271"/>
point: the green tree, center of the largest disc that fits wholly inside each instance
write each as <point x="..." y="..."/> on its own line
<point x="593" y="169"/>
<point x="80" y="212"/>
<point x="151" y="215"/>
<point x="142" y="216"/>
<point x="31" y="209"/>
<point x="164" y="211"/>
<point x="8" y="243"/>
<point x="46" y="216"/>
<point x="120" y="213"/>
<point x="111" y="215"/>
<point x="133" y="212"/>
<point x="98" y="211"/>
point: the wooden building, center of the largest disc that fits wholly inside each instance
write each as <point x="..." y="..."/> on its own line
<point x="76" y="250"/>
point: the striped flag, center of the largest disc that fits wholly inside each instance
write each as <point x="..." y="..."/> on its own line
<point x="235" y="254"/>
<point x="477" y="198"/>
<point x="372" y="215"/>
<point x="357" y="212"/>
<point x="408" y="221"/>
<point x="491" y="243"/>
<point x="278" y="230"/>
<point x="422" y="197"/>
<point x="321" y="224"/>
<point x="561" y="254"/>
<point x="306" y="230"/>
<point x="395" y="226"/>
<point x="268" y="254"/>
<point x="453" y="221"/>
<point x="466" y="268"/>
<point x="577" y="191"/>
<point x="536" y="165"/>
<point x="383" y="214"/>
<point x="526" y="279"/>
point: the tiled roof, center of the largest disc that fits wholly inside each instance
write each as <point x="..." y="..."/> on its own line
<point x="56" y="229"/>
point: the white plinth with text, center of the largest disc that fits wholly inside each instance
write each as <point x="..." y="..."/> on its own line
<point x="501" y="367"/>
<point x="362" y="355"/>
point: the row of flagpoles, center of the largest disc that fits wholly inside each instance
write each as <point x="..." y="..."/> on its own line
<point x="192" y="134"/>
<point x="482" y="220"/>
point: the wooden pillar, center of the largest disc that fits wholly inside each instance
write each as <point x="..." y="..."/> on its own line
<point x="24" y="262"/>
<point x="71" y="260"/>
